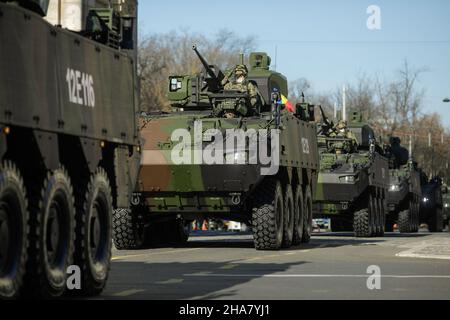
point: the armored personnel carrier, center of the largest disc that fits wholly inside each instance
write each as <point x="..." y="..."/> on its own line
<point x="404" y="190"/>
<point x="69" y="147"/>
<point x="431" y="207"/>
<point x="353" y="179"/>
<point x="216" y="157"/>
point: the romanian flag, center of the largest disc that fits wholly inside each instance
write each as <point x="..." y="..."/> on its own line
<point x="287" y="103"/>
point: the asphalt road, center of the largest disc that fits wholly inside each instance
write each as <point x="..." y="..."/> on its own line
<point x="332" y="266"/>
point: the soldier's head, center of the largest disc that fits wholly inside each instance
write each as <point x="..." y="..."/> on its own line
<point x="342" y="125"/>
<point x="240" y="73"/>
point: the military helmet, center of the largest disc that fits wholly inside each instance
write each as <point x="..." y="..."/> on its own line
<point x="341" y="125"/>
<point x="241" y="70"/>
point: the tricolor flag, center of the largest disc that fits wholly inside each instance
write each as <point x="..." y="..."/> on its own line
<point x="287" y="103"/>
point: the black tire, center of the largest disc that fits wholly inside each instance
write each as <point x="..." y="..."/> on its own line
<point x="308" y="225"/>
<point x="267" y="217"/>
<point x="128" y="234"/>
<point x="94" y="233"/>
<point x="288" y="229"/>
<point x="52" y="233"/>
<point x="13" y="231"/>
<point x="299" y="216"/>
<point x="404" y="221"/>
<point x="361" y="224"/>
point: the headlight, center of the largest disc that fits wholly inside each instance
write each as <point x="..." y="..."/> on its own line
<point x="348" y="179"/>
<point x="175" y="84"/>
<point x="446" y="205"/>
<point x="394" y="188"/>
<point x="425" y="200"/>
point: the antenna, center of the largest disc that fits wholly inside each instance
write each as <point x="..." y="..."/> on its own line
<point x="335" y="111"/>
<point x="344" y="103"/>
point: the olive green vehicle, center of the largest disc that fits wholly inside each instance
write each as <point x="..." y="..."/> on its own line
<point x="353" y="180"/>
<point x="446" y="200"/>
<point x="171" y="194"/>
<point x="69" y="143"/>
<point x="405" y="189"/>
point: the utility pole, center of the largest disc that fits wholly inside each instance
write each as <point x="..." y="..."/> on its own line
<point x="344" y="103"/>
<point x="335" y="111"/>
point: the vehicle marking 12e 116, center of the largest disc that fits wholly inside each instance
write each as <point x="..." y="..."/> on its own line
<point x="81" y="88"/>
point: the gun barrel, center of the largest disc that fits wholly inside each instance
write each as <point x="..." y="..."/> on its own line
<point x="204" y="63"/>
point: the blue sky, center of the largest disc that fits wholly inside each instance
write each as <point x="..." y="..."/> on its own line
<point x="327" y="41"/>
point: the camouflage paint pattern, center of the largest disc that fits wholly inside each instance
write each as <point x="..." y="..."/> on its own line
<point x="166" y="187"/>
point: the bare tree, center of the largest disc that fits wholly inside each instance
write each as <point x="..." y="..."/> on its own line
<point x="161" y="55"/>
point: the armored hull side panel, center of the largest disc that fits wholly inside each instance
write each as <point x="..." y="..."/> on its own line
<point x="57" y="81"/>
<point x="169" y="187"/>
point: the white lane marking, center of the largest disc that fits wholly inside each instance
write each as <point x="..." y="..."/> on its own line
<point x="314" y="276"/>
<point x="171" y="281"/>
<point x="154" y="254"/>
<point x="127" y="293"/>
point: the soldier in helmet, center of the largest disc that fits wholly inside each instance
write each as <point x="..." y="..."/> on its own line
<point x="240" y="83"/>
<point x="341" y="131"/>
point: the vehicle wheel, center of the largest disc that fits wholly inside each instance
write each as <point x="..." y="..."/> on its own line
<point x="128" y="234"/>
<point x="361" y="224"/>
<point x="404" y="221"/>
<point x="94" y="232"/>
<point x="299" y="216"/>
<point x="267" y="218"/>
<point x="308" y="225"/>
<point x="52" y="232"/>
<point x="13" y="231"/>
<point x="288" y="229"/>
